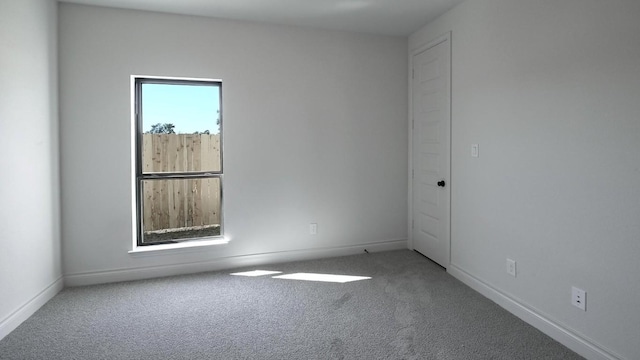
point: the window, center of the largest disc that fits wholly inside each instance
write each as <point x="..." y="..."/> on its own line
<point x="178" y="162"/>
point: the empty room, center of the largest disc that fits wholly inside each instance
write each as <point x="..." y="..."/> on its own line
<point x="330" y="179"/>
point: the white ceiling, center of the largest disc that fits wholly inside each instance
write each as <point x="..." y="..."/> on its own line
<point x="388" y="17"/>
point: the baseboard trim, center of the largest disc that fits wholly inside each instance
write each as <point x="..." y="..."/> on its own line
<point x="556" y="331"/>
<point x="140" y="273"/>
<point x="27" y="309"/>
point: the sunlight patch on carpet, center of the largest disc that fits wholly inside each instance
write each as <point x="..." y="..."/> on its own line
<point x="256" y="273"/>
<point x="322" y="277"/>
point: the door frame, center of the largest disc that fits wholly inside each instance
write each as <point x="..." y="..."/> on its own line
<point x="437" y="41"/>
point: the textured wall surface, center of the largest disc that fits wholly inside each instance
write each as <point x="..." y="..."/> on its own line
<point x="317" y="118"/>
<point x="549" y="89"/>
<point x="30" y="261"/>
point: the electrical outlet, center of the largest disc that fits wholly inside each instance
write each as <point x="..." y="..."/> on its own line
<point x="313" y="229"/>
<point x="511" y="267"/>
<point x="579" y="298"/>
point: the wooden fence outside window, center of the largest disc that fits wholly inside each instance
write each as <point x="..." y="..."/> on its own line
<point x="183" y="203"/>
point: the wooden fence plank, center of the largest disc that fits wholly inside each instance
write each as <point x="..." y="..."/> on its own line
<point x="215" y="153"/>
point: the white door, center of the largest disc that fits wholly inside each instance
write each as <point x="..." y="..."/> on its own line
<point x="431" y="139"/>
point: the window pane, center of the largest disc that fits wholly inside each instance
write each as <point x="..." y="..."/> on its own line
<point x="180" y="209"/>
<point x="181" y="128"/>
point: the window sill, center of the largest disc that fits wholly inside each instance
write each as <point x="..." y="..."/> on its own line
<point x="179" y="247"/>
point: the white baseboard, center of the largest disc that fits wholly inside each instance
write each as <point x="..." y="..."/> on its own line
<point x="231" y="262"/>
<point x="16" y="318"/>
<point x="552" y="328"/>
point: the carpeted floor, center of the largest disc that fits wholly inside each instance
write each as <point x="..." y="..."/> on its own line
<point x="409" y="309"/>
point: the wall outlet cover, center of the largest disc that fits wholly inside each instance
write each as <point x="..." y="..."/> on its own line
<point x="511" y="267"/>
<point x="579" y="298"/>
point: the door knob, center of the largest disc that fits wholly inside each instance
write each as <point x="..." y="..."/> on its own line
<point x="441" y="183"/>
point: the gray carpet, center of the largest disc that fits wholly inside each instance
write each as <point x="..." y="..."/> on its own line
<point x="410" y="309"/>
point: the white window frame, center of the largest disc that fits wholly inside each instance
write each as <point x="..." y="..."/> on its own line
<point x="138" y="176"/>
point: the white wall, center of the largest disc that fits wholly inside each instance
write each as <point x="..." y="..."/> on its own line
<point x="315" y="131"/>
<point x="551" y="92"/>
<point x="30" y="265"/>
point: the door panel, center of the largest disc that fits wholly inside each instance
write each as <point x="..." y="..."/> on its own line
<point x="431" y="152"/>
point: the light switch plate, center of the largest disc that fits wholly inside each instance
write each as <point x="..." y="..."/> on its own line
<point x="475" y="150"/>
